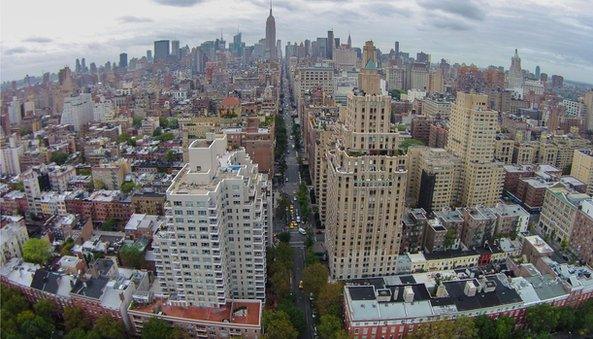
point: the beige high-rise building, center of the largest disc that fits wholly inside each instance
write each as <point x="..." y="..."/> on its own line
<point x="366" y="183"/>
<point x="582" y="167"/>
<point x="433" y="178"/>
<point x="472" y="136"/>
<point x="588" y="102"/>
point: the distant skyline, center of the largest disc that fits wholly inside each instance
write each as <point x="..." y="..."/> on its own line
<point x="44" y="36"/>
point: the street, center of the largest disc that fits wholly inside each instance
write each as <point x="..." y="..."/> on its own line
<point x="289" y="187"/>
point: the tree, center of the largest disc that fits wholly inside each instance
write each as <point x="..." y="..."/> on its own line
<point x="314" y="278"/>
<point x="59" y="157"/>
<point x="19" y="186"/>
<point x="450" y="238"/>
<point x="170" y="156"/>
<point x="74" y="317"/>
<point x="37" y="250"/>
<point x="37" y="327"/>
<point x="566" y="319"/>
<point x="564" y="244"/>
<point x="157" y="132"/>
<point x="44" y="308"/>
<point x="67" y="246"/>
<point x="444" y="329"/>
<point x="410" y="142"/>
<point x="329" y="299"/>
<point x="166" y="136"/>
<point x="108" y="225"/>
<point x="281" y="282"/>
<point x="485" y="327"/>
<point x="110" y="328"/>
<point x="296" y="316"/>
<point x="284" y="236"/>
<point x="276" y="325"/>
<point x="131" y="256"/>
<point x="283" y="254"/>
<point x="137" y="122"/>
<point x="329" y="326"/>
<point x="504" y="327"/>
<point x="156" y="328"/>
<point x="127" y="186"/>
<point x="541" y="318"/>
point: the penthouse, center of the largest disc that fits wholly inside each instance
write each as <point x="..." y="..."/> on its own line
<point x="236" y="318"/>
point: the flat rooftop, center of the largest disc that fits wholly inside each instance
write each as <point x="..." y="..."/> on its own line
<point x="246" y="312"/>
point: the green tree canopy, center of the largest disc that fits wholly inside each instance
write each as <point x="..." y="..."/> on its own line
<point x="156" y="328"/>
<point x="74" y="318"/>
<point x="131" y="256"/>
<point x="37" y="250"/>
<point x="329" y="299"/>
<point x="541" y="318"/>
<point x="137" y="122"/>
<point x="284" y="236"/>
<point x="277" y="325"/>
<point x="109" y="225"/>
<point x="314" y="278"/>
<point x="460" y="328"/>
<point x="296" y="316"/>
<point x="329" y="327"/>
<point x="127" y="186"/>
<point x="59" y="157"/>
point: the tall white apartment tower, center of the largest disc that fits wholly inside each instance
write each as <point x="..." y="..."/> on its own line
<point x="219" y="220"/>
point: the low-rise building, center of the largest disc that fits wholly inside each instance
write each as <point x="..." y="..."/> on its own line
<point x="237" y="318"/>
<point x="13" y="233"/>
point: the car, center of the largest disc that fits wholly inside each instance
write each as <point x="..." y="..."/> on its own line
<point x="302" y="231"/>
<point x="294" y="198"/>
<point x="286" y="179"/>
<point x="311" y="297"/>
<point x="301" y="284"/>
<point x="298" y="218"/>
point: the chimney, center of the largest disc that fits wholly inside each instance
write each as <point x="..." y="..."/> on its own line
<point x="470" y="288"/>
<point x="408" y="294"/>
<point x="442" y="291"/>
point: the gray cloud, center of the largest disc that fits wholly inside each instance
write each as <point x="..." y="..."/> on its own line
<point x="133" y="19"/>
<point x="443" y="23"/>
<point x="16" y="50"/>
<point x="177" y="3"/>
<point x="387" y="9"/>
<point x="38" y="39"/>
<point x="466" y="9"/>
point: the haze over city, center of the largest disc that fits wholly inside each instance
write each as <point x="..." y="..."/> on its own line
<point x="552" y="34"/>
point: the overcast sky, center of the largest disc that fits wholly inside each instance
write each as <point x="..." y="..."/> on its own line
<point x="39" y="36"/>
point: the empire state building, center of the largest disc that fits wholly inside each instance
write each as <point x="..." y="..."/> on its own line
<point x="271" y="51"/>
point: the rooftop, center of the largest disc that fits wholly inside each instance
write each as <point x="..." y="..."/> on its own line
<point x="247" y="312"/>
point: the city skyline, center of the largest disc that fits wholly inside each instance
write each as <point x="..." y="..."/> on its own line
<point x="473" y="32"/>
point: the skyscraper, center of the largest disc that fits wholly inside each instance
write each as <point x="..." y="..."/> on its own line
<point x="537" y="72"/>
<point x="175" y="48"/>
<point x="219" y="212"/>
<point x="271" y="50"/>
<point x="515" y="76"/>
<point x="349" y="43"/>
<point x="396" y="48"/>
<point x="123" y="60"/>
<point x="161" y="50"/>
<point x="148" y="55"/>
<point x="365" y="183"/>
<point x="330" y="44"/>
<point x="472" y="137"/>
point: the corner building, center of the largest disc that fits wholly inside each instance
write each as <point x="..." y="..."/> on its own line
<point x="366" y="183"/>
<point x="219" y="219"/>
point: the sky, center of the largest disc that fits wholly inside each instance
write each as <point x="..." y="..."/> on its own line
<point x="41" y="36"/>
